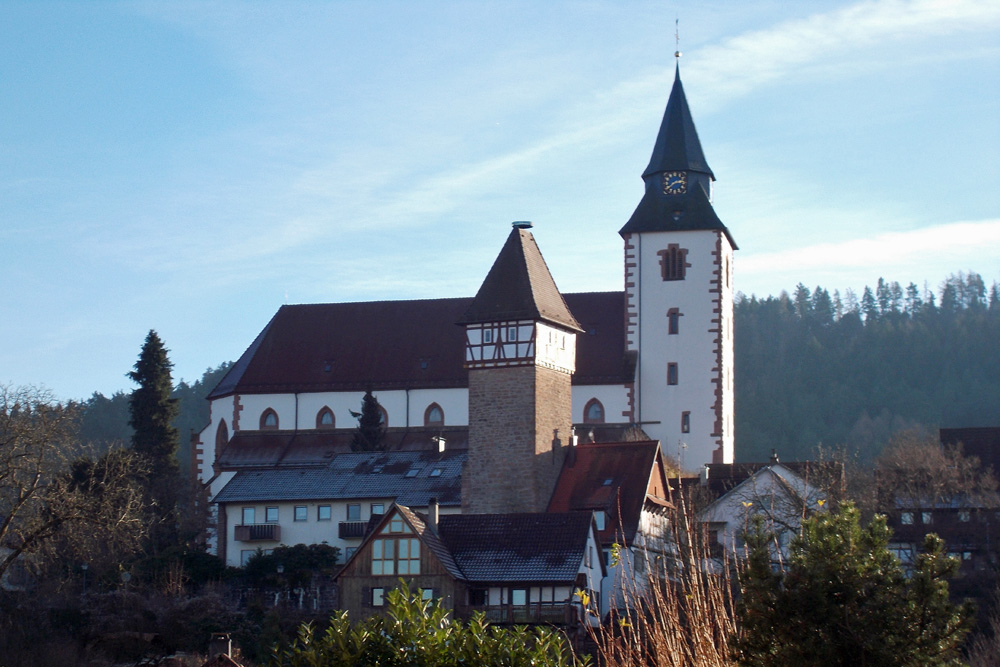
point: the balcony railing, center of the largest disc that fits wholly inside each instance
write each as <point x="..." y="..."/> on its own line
<point x="351" y="529"/>
<point x="554" y="613"/>
<point x="254" y="532"/>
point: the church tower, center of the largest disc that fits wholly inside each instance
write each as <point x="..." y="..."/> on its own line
<point x="679" y="299"/>
<point x="521" y="353"/>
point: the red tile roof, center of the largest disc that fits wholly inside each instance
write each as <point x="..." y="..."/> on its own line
<point x="402" y="344"/>
<point x="613" y="477"/>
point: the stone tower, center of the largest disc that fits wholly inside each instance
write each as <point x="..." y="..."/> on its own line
<point x="679" y="298"/>
<point x="521" y="354"/>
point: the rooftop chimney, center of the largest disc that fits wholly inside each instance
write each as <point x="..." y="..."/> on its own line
<point x="433" y="514"/>
<point x="220" y="644"/>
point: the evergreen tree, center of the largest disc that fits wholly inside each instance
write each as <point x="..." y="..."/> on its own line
<point x="369" y="436"/>
<point x="868" y="305"/>
<point x="155" y="438"/>
<point x="844" y="599"/>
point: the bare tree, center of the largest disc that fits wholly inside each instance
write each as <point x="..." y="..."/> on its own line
<point x="50" y="493"/>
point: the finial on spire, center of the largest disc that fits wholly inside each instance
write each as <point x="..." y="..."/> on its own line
<point x="677" y="38"/>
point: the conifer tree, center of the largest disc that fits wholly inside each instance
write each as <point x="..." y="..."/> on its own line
<point x="369" y="436"/>
<point x="152" y="413"/>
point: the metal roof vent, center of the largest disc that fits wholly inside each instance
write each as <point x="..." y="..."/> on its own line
<point x="522" y="224"/>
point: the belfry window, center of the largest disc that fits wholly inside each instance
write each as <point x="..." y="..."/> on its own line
<point x="673" y="262"/>
<point x="222" y="434"/>
<point x="269" y="420"/>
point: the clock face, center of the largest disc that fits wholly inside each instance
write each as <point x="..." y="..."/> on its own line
<point x="674" y="182"/>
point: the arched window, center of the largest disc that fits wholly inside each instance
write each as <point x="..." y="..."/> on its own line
<point x="325" y="419"/>
<point x="434" y="415"/>
<point x="593" y="412"/>
<point x="222" y="434"/>
<point x="269" y="420"/>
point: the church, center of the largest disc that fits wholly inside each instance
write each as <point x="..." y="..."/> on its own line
<point x="509" y="380"/>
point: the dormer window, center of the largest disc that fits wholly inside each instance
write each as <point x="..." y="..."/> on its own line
<point x="269" y="420"/>
<point x="325" y="418"/>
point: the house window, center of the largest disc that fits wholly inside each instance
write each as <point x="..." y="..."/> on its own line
<point x="487" y="335"/>
<point x="478" y="597"/>
<point x="348" y="552"/>
<point x="685" y="422"/>
<point x="672" y="373"/>
<point x="397" y="525"/>
<point x="245" y="556"/>
<point x="301" y="513"/>
<point x="673" y="262"/>
<point x="249" y="513"/>
<point x="601" y="519"/>
<point x="593" y="412"/>
<point x="269" y="420"/>
<point x="673" y="321"/>
<point x="511" y="334"/>
<point x="325" y="419"/>
<point x="427" y="594"/>
<point x="378" y="597"/>
<point x="271" y="514"/>
<point x="926" y="518"/>
<point x="434" y="415"/>
<point x="354" y="512"/>
<point x="964" y="516"/>
<point x="392" y="556"/>
<point x="906" y="518"/>
<point x="378" y="509"/>
<point x="519" y="597"/>
<point x="324" y="513"/>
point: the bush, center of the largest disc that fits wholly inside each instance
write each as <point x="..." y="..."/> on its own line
<point x="419" y="632"/>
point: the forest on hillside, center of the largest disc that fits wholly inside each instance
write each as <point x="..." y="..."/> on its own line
<point x="846" y="372"/>
<point x="812" y="368"/>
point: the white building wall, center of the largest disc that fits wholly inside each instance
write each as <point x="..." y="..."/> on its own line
<point x="310" y="531"/>
<point x="613" y="397"/>
<point x="704" y="300"/>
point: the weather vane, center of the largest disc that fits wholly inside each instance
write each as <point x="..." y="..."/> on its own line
<point x="677" y="37"/>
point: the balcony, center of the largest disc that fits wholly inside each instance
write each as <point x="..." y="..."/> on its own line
<point x="551" y="613"/>
<point x="351" y="529"/>
<point x="258" y="532"/>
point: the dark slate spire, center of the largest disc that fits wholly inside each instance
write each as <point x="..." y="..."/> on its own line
<point x="520" y="287"/>
<point x="677" y="147"/>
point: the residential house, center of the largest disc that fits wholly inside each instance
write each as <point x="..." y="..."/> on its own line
<point x="625" y="485"/>
<point x="514" y="568"/>
<point x="333" y="504"/>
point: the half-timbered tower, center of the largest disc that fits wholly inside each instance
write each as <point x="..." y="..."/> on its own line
<point x="520" y="352"/>
<point x="679" y="298"/>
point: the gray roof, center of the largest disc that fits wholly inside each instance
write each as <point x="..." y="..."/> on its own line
<point x="520" y="287"/>
<point x="494" y="548"/>
<point x="408" y="477"/>
<point x="677" y="147"/>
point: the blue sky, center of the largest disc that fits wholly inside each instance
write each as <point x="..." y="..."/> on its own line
<point x="190" y="167"/>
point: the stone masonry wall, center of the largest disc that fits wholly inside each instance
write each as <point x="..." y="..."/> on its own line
<point x="513" y="411"/>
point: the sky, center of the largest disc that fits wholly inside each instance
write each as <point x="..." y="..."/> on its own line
<point x="190" y="167"/>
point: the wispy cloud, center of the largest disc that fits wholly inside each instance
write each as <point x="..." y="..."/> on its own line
<point x="937" y="249"/>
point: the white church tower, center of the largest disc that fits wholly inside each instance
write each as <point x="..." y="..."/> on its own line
<point x="679" y="299"/>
